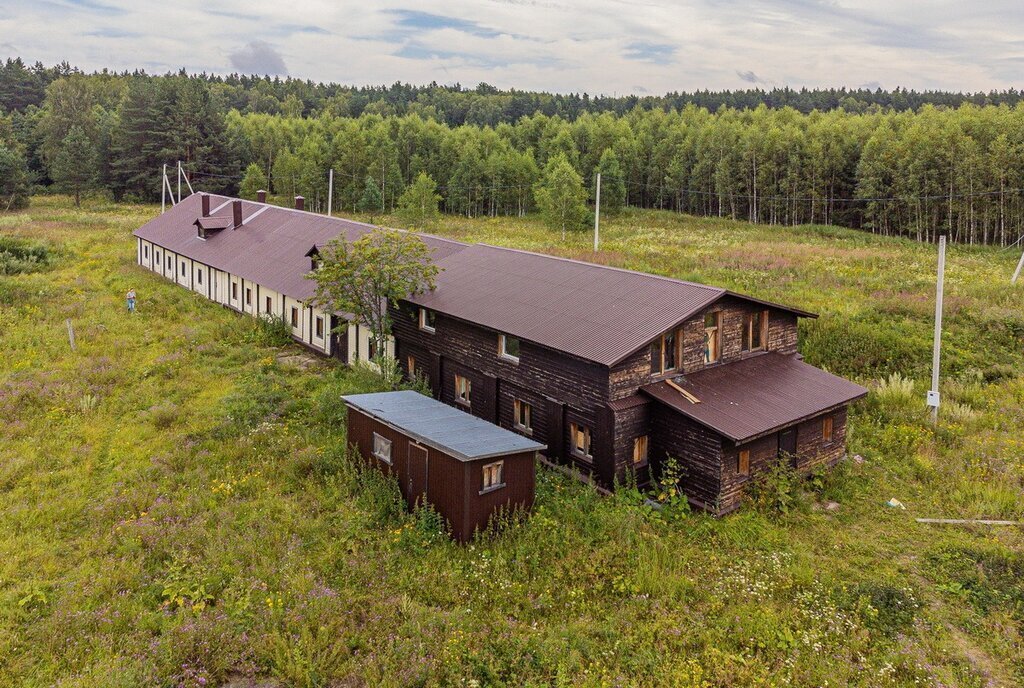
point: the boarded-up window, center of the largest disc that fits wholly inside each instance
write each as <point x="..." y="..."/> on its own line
<point x="755" y="331"/>
<point x="522" y="420"/>
<point x="826" y="430"/>
<point x="743" y="462"/>
<point x="463" y="390"/>
<point x="579" y="438"/>
<point x="382" y="448"/>
<point x="295" y="316"/>
<point x="410" y="366"/>
<point x="640" y="451"/>
<point x="712" y="337"/>
<point x="319" y="326"/>
<point x="493" y="475"/>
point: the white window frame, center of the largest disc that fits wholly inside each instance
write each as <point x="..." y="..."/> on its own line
<point x="382" y="448"/>
<point x="502" y="348"/>
<point x="493" y="477"/>
<point x="424" y="319"/>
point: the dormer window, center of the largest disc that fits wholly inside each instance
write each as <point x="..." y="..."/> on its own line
<point x="712" y="337"/>
<point x="664" y="353"/>
<point x="428" y="320"/>
<point x="508" y="348"/>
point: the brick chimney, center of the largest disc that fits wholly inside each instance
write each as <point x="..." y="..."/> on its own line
<point x="300" y="203"/>
<point x="205" y="202"/>
<point x="261" y="196"/>
<point x="236" y="212"/>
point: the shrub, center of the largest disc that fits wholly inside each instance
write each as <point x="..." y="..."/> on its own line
<point x="19" y="256"/>
<point x="776" y="491"/>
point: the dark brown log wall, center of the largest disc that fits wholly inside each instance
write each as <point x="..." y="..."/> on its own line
<point x="696" y="449"/>
<point x="519" y="476"/>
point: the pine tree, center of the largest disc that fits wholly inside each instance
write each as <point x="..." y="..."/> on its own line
<point x="14" y="179"/>
<point x="560" y="195"/>
<point x="417" y="206"/>
<point x="613" y="186"/>
<point x="253" y="181"/>
<point x="371" y="200"/>
<point x="74" y="166"/>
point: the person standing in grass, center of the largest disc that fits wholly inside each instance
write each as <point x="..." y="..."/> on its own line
<point x="131" y="300"/>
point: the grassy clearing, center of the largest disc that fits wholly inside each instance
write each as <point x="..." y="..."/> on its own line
<point x="176" y="506"/>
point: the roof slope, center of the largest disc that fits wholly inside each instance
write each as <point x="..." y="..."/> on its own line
<point x="752" y="397"/>
<point x="594" y="312"/>
<point x="441" y="426"/>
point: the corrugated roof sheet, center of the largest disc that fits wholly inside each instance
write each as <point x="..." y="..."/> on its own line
<point x="597" y="313"/>
<point x="441" y="426"/>
<point x="750" y="398"/>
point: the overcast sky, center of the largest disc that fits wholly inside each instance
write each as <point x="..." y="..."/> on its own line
<point x="597" y="46"/>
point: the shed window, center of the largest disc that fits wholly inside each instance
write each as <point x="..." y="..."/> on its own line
<point x="319" y="326"/>
<point x="248" y="296"/>
<point x="145" y="251"/>
<point x="743" y="462"/>
<point x="158" y="258"/>
<point x="234" y="291"/>
<point x="755" y="331"/>
<point x="199" y="276"/>
<point x="428" y="320"/>
<point x="493" y="476"/>
<point x="521" y="416"/>
<point x="579" y="437"/>
<point x="463" y="390"/>
<point x="269" y="305"/>
<point x="410" y="366"/>
<point x="371" y="348"/>
<point x="183" y="269"/>
<point x="508" y="347"/>
<point x="664" y="352"/>
<point x="640" y="451"/>
<point x="826" y="430"/>
<point x="382" y="448"/>
<point x="712" y="337"/>
<point x="295" y="316"/>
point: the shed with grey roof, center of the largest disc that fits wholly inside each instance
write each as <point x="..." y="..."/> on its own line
<point x="465" y="467"/>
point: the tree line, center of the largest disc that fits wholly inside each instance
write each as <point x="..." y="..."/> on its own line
<point x="909" y="172"/>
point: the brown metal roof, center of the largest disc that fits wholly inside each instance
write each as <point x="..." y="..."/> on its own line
<point x="597" y="313"/>
<point x="755" y="396"/>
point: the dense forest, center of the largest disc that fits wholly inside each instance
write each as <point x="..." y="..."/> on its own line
<point x="901" y="162"/>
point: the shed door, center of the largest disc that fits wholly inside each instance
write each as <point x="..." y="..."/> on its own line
<point x="417" y="473"/>
<point x="787" y="444"/>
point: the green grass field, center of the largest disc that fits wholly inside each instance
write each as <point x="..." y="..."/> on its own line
<point x="177" y="509"/>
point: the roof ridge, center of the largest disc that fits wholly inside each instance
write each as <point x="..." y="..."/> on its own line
<point x="605" y="267"/>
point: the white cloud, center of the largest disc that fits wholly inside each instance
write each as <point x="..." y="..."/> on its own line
<point x="599" y="46"/>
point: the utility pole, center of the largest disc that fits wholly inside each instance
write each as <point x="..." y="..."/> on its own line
<point x="933" y="394"/>
<point x="179" y="181"/>
<point x="330" y="191"/>
<point x="597" y="213"/>
<point x="163" y="190"/>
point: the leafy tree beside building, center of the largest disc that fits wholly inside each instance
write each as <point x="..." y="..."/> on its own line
<point x="417" y="206"/>
<point x="561" y="197"/>
<point x="252" y="181"/>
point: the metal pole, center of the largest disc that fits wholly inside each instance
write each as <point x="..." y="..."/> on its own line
<point x="179" y="181"/>
<point x="330" y="191"/>
<point x="1016" y="273"/>
<point x="597" y="213"/>
<point x="163" y="190"/>
<point x="933" y="394"/>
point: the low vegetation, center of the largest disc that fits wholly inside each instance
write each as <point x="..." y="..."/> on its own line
<point x="177" y="507"/>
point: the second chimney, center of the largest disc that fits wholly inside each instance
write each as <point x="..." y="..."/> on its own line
<point x="300" y="203"/>
<point x="261" y="196"/>
<point x="236" y="212"/>
<point x="205" y="202"/>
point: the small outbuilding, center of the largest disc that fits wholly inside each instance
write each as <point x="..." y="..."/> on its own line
<point x="464" y="466"/>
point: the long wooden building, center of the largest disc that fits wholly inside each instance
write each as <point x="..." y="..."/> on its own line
<point x="611" y="370"/>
